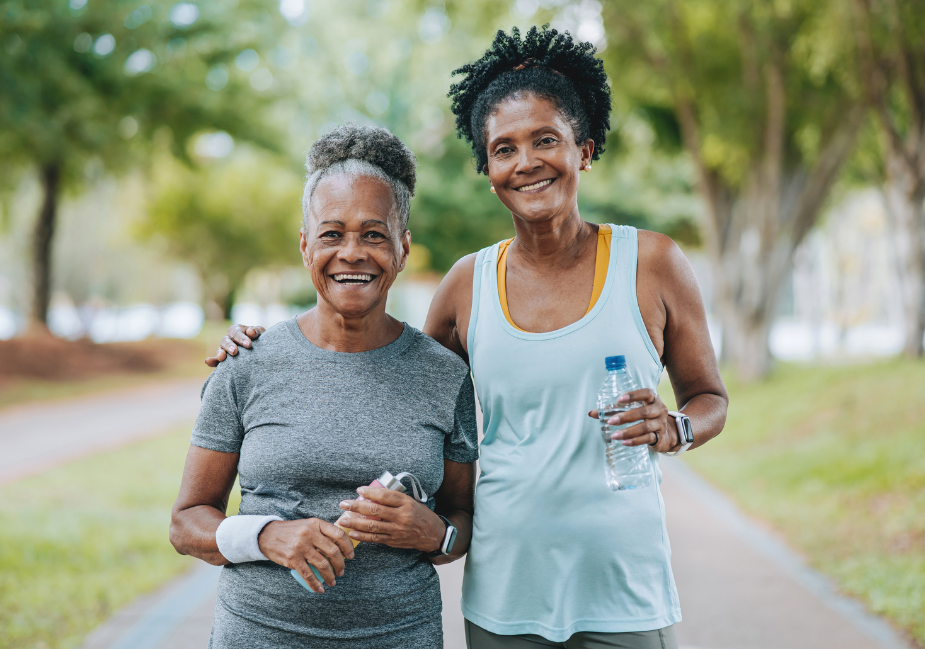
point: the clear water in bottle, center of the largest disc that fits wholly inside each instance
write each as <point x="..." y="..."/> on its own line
<point x="626" y="467"/>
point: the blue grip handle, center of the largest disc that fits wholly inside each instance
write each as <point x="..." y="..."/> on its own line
<point x="299" y="579"/>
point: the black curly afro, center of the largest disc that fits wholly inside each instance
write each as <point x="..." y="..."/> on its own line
<point x="545" y="63"/>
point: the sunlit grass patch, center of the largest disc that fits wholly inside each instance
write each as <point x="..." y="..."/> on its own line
<point x="80" y="541"/>
<point x="833" y="458"/>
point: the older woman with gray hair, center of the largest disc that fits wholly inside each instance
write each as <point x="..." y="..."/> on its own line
<point x="328" y="401"/>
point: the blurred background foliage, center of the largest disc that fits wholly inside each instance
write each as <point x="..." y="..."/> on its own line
<point x="734" y="122"/>
<point x="98" y="82"/>
<point x="151" y="152"/>
<point x="102" y="89"/>
<point x="225" y="218"/>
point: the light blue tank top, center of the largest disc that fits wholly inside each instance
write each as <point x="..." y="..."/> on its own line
<point x="555" y="551"/>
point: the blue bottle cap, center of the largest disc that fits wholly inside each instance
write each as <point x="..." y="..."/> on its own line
<point x="615" y="362"/>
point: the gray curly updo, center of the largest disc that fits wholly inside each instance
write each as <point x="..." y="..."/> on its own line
<point x="358" y="150"/>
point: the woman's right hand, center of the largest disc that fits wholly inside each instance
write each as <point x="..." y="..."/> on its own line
<point x="237" y="335"/>
<point x="296" y="544"/>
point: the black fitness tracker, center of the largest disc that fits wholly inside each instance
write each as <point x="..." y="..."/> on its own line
<point x="685" y="432"/>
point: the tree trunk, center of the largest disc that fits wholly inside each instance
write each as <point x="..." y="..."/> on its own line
<point x="220" y="291"/>
<point x="752" y="231"/>
<point x="904" y="196"/>
<point x="41" y="248"/>
<point x="228" y="303"/>
<point x="749" y="268"/>
<point x="887" y="74"/>
<point x="745" y="342"/>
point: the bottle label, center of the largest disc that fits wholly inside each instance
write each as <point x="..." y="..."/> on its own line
<point x="377" y="485"/>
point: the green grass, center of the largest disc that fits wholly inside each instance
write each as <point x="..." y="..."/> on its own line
<point x="78" y="542"/>
<point x="834" y="459"/>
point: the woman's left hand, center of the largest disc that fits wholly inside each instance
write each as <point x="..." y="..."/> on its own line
<point x="405" y="523"/>
<point x="655" y="427"/>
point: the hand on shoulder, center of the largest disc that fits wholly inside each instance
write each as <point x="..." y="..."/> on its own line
<point x="238" y="334"/>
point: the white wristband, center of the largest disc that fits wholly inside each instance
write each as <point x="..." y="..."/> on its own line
<point x="236" y="537"/>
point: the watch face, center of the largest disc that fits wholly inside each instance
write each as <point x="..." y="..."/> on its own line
<point x="688" y="431"/>
<point x="448" y="543"/>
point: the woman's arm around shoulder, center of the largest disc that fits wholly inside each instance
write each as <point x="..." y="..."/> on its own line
<point x="448" y="318"/>
<point x="672" y="308"/>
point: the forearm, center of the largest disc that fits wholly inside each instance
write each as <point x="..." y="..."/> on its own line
<point x="201" y="504"/>
<point x="462" y="521"/>
<point x="707" y="413"/>
<point x="192" y="532"/>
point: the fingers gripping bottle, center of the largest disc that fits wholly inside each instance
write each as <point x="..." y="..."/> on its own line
<point x="626" y="467"/>
<point x="385" y="481"/>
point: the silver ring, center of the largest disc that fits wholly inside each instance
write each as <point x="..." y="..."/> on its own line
<point x="656" y="439"/>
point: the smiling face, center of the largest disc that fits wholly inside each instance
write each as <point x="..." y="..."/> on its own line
<point x="533" y="161"/>
<point x="353" y="244"/>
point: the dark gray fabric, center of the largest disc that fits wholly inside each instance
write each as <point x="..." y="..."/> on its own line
<point x="311" y="426"/>
<point x="479" y="638"/>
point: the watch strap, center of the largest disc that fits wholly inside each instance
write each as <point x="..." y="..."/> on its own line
<point x="678" y="418"/>
<point x="442" y="551"/>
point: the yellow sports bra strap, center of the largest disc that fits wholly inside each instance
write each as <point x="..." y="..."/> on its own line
<point x="601" y="263"/>
<point x="502" y="285"/>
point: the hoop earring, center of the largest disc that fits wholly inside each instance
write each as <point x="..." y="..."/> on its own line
<point x="492" y="190"/>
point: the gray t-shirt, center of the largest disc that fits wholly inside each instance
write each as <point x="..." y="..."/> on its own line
<point x="311" y="426"/>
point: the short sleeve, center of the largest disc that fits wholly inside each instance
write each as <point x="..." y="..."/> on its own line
<point x="218" y="426"/>
<point x="462" y="443"/>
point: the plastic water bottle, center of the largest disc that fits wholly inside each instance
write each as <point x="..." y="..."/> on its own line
<point x="627" y="467"/>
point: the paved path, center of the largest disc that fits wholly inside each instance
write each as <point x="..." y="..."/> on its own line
<point x="37" y="437"/>
<point x="740" y="589"/>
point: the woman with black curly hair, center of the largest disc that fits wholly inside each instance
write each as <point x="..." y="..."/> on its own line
<point x="557" y="558"/>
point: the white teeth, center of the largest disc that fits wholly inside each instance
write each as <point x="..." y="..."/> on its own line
<point x="340" y="277"/>
<point x="528" y="188"/>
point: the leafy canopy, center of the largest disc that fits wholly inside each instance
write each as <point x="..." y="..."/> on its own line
<point x="716" y="55"/>
<point x="97" y="80"/>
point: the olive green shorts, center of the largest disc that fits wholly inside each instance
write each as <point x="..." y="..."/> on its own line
<point x="479" y="638"/>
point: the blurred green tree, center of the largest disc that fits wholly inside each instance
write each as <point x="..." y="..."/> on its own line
<point x="890" y="38"/>
<point x="453" y="213"/>
<point x="226" y="217"/>
<point x="758" y="94"/>
<point x="100" y="81"/>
